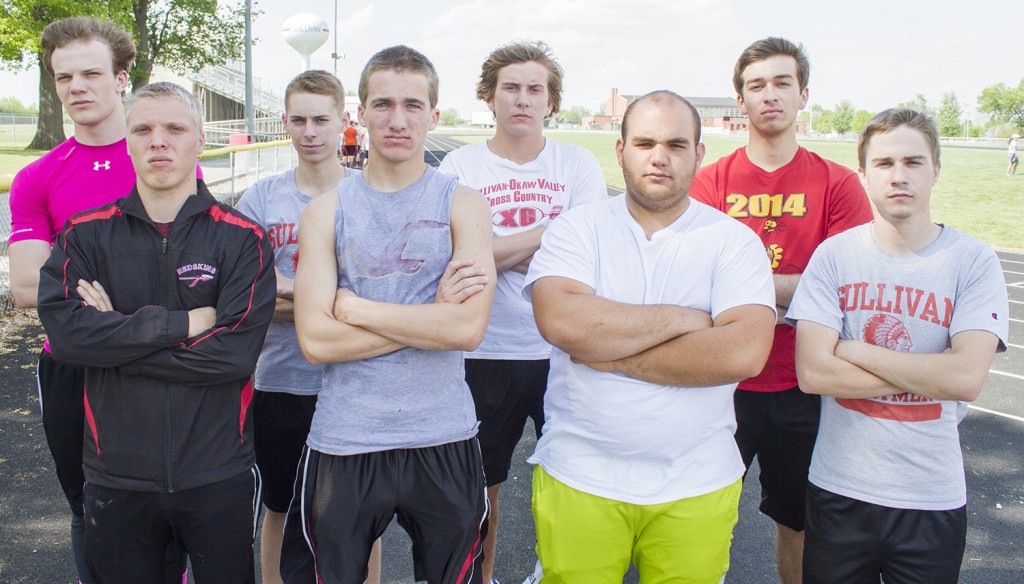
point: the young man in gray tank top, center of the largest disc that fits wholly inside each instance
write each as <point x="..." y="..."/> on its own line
<point x="394" y="428"/>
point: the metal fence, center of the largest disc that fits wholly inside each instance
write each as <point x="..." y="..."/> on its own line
<point x="227" y="171"/>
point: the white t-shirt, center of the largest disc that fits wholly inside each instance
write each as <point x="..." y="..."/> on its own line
<point x="619" y="437"/>
<point x="901" y="450"/>
<point x="522" y="197"/>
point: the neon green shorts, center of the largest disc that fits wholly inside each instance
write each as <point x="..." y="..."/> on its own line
<point x="586" y="539"/>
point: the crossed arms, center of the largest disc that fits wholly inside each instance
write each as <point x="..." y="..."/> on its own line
<point x="337" y="325"/>
<point x="854" y="369"/>
<point x="662" y="344"/>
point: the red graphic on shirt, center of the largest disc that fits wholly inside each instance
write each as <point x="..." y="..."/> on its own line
<point x="517" y="217"/>
<point x="885" y="330"/>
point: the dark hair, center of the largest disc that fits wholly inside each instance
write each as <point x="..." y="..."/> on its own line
<point x="893" y="118"/>
<point x="400" y="59"/>
<point x="770" y="47"/>
<point x="521" y="52"/>
<point x="658" y="96"/>
<point x="317" y="82"/>
<point x="80" y="28"/>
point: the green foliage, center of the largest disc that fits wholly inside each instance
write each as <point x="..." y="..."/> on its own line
<point x="1005" y="104"/>
<point x="823" y="122"/>
<point x="918" y="104"/>
<point x="182" y="34"/>
<point x="450" y="117"/>
<point x="13" y="105"/>
<point x="861" y="119"/>
<point x="22" y="21"/>
<point x="842" y="118"/>
<point x="573" y="115"/>
<point x="949" y="115"/>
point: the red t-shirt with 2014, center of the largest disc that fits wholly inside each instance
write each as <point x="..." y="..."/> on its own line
<point x="792" y="209"/>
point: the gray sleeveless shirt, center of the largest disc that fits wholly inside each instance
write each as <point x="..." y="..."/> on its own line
<point x="393" y="247"/>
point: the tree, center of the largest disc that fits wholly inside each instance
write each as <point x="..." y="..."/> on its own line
<point x="918" y="104"/>
<point x="949" y="115"/>
<point x="178" y="34"/>
<point x="574" y="115"/>
<point x="821" y="119"/>
<point x="861" y="119"/>
<point x="13" y="105"/>
<point x="1005" y="104"/>
<point x="21" y="23"/>
<point x="842" y="118"/>
<point x="182" y="34"/>
<point x="450" y="117"/>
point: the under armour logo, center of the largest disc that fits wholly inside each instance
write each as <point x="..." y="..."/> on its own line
<point x="105" y="165"/>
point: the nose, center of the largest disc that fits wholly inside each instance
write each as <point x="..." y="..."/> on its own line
<point x="659" y="155"/>
<point x="157" y="138"/>
<point x="899" y="174"/>
<point x="521" y="98"/>
<point x="77" y="84"/>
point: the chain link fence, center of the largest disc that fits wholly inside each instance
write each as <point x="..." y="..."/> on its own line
<point x="227" y="171"/>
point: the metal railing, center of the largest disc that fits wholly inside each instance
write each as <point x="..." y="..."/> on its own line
<point x="267" y="129"/>
<point x="228" y="172"/>
<point x="230" y="82"/>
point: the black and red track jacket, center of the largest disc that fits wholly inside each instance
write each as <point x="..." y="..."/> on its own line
<point x="163" y="412"/>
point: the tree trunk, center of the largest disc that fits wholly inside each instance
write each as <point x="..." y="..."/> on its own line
<point x="143" y="66"/>
<point x="50" y="129"/>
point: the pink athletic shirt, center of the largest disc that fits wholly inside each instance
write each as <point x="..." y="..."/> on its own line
<point x="69" y="179"/>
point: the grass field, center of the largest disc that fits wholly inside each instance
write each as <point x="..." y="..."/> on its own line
<point x="973" y="194"/>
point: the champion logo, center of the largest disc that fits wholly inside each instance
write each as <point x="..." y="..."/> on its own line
<point x="196" y="279"/>
<point x="105" y="165"/>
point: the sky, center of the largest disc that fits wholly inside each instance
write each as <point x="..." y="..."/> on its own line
<point x="874" y="53"/>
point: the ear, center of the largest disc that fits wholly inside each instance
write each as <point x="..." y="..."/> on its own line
<point x="435" y="117"/>
<point x="935" y="179"/>
<point x="805" y="96"/>
<point x="619" y="147"/>
<point x="122" y="81"/>
<point x="701" y="151"/>
<point x="345" y="118"/>
<point x="739" y="102"/>
<point x="360" y="115"/>
<point x="863" y="178"/>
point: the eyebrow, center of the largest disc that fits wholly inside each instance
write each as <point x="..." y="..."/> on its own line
<point x="762" y="79"/>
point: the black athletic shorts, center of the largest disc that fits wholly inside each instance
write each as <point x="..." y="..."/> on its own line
<point x="127" y="533"/>
<point x="506" y="393"/>
<point x="780" y="429"/>
<point x="852" y="542"/>
<point x="281" y="424"/>
<point x="343" y="504"/>
<point x="349" y="150"/>
<point x="61" y="394"/>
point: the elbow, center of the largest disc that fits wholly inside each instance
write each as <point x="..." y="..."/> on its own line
<point x="965" y="388"/>
<point x="470" y="337"/>
<point x="810" y="379"/>
<point x="24" y="298"/>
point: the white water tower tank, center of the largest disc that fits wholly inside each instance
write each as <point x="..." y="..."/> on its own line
<point x="305" y="33"/>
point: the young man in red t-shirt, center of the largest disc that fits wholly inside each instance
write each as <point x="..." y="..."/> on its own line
<point x="793" y="199"/>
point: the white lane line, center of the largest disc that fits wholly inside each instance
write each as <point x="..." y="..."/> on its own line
<point x="1017" y="273"/>
<point x="1014" y="346"/>
<point x="1015" y="320"/>
<point x="995" y="413"/>
<point x="1016" y="285"/>
<point x="1017" y="302"/>
<point x="1013" y="375"/>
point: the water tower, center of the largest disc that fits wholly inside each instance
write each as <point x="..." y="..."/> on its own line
<point x="305" y="33"/>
